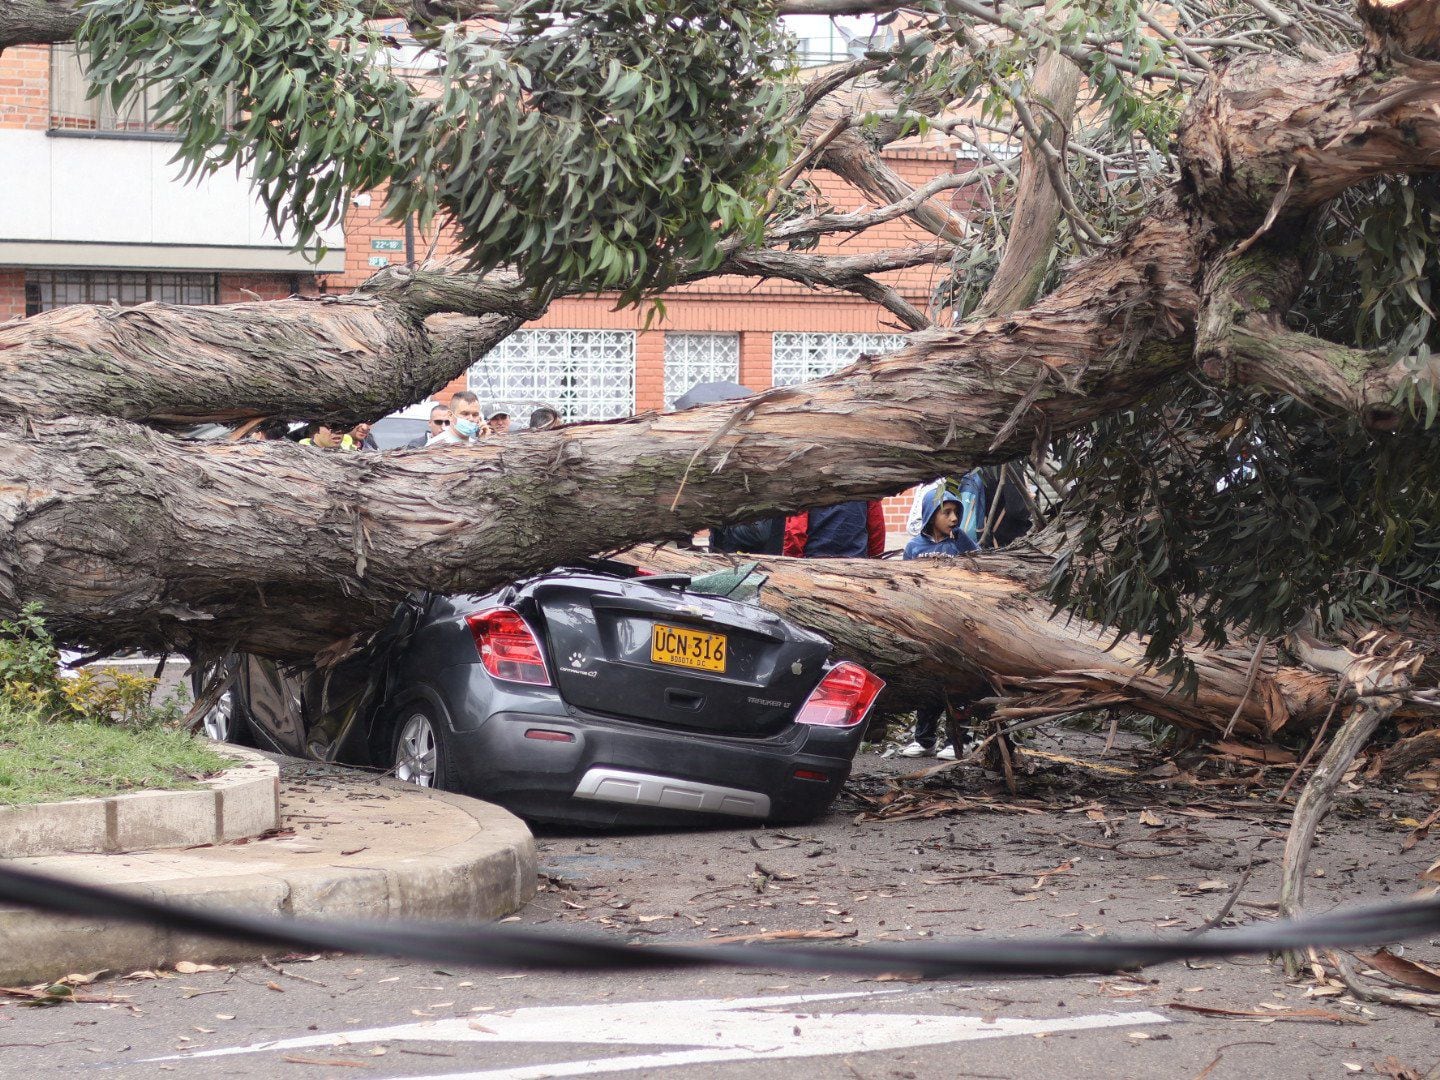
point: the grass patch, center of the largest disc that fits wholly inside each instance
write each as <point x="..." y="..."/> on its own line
<point x="46" y="760"/>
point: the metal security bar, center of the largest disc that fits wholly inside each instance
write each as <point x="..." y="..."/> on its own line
<point x="71" y="110"/>
<point x="46" y="290"/>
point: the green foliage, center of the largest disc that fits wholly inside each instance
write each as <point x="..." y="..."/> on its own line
<point x="596" y="145"/>
<point x="31" y="683"/>
<point x="1203" y="512"/>
<point x="28" y="656"/>
<point x="1375" y="278"/>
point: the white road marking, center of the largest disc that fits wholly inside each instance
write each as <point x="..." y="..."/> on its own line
<point x="717" y="1029"/>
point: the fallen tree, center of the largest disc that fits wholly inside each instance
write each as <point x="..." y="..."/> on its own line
<point x="129" y="537"/>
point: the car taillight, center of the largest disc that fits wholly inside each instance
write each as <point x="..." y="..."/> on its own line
<point x="843" y="697"/>
<point x="508" y="647"/>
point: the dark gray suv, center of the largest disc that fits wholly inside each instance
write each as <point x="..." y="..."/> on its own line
<point x="592" y="696"/>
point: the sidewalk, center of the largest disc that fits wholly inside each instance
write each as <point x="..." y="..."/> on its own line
<point x="348" y="846"/>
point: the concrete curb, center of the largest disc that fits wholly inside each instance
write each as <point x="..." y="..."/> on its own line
<point x="243" y="801"/>
<point x="491" y="873"/>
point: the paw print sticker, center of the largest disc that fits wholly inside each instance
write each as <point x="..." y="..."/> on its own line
<point x="577" y="659"/>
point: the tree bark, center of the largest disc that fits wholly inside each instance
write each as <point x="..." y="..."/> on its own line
<point x="970" y="623"/>
<point x="1037" y="201"/>
<point x="1241" y="337"/>
<point x="345" y="358"/>
<point x="1275" y="138"/>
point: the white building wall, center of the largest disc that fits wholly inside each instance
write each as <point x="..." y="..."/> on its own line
<point x="114" y="201"/>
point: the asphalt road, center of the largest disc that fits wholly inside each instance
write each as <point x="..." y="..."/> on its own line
<point x="1070" y="854"/>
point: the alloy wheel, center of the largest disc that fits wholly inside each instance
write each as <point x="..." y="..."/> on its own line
<point x="416" y="752"/>
<point x="220" y="719"/>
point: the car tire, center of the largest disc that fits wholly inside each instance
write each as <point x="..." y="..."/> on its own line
<point x="418" y="754"/>
<point x="225" y="720"/>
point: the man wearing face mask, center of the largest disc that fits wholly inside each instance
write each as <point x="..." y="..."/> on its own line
<point x="465" y="427"/>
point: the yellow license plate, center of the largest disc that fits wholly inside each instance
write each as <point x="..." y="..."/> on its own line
<point x="687" y="648"/>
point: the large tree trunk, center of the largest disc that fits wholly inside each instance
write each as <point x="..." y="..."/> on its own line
<point x="980" y="622"/>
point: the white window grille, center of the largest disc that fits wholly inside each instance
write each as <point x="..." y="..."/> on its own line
<point x="798" y="358"/>
<point x="586" y="374"/>
<point x="696" y="358"/>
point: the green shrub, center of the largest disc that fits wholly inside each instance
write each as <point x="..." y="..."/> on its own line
<point x="31" y="683"/>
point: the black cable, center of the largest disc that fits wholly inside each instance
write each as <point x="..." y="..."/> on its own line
<point x="490" y="945"/>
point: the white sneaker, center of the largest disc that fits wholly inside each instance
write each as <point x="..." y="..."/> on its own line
<point x="947" y="753"/>
<point x="916" y="750"/>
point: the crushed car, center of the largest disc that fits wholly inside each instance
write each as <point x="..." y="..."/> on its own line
<point x="591" y="695"/>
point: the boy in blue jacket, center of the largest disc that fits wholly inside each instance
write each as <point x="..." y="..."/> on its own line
<point x="939" y="538"/>
<point x="940" y="511"/>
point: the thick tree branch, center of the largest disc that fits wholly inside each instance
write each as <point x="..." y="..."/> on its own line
<point x="852" y="158"/>
<point x="1401" y="27"/>
<point x="1275" y="138"/>
<point x="971" y="623"/>
<point x="344" y="358"/>
<point x="1241" y="337"/>
<point x="849" y="273"/>
<point x="1037" y="199"/>
<point x="124" y="521"/>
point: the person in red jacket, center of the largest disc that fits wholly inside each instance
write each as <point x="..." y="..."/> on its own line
<point x="851" y="530"/>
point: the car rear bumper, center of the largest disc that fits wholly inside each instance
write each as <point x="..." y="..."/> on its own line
<point x="600" y="771"/>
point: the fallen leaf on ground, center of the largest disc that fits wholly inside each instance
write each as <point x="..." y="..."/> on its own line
<point x="1265" y="1014"/>
<point x="295" y="1059"/>
<point x="81" y="980"/>
<point x="1153" y="820"/>
<point x="185" y="967"/>
<point x="1393" y="1068"/>
<point x="1409" y="972"/>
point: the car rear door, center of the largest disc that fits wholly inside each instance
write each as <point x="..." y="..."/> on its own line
<point x="665" y="656"/>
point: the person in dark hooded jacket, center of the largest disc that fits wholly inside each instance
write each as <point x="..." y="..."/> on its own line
<point x="941" y="538"/>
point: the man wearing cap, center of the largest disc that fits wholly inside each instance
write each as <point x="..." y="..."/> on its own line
<point x="498" y="419"/>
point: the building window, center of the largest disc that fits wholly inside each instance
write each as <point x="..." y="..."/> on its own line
<point x="798" y="358"/>
<point x="697" y="358"/>
<point x="72" y="111"/>
<point x="46" y="290"/>
<point x="586" y="374"/>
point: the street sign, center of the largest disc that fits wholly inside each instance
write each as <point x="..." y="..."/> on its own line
<point x="378" y="261"/>
<point x="386" y="245"/>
